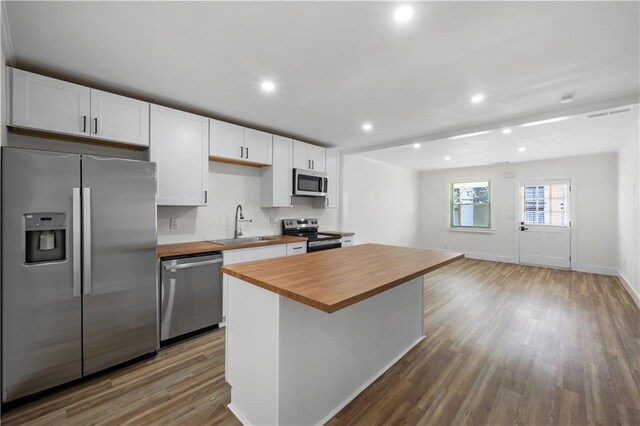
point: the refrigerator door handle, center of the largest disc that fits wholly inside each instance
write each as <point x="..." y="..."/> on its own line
<point x="76" y="242"/>
<point x="86" y="237"/>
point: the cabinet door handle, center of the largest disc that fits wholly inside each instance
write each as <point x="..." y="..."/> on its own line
<point x="247" y="152"/>
<point x="296" y="248"/>
<point x="205" y="197"/>
<point x="84" y="124"/>
<point x="290" y="200"/>
<point x="241" y="152"/>
<point x="95" y="127"/>
<point x="327" y="201"/>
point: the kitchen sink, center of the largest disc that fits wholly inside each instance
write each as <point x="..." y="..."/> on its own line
<point x="228" y="241"/>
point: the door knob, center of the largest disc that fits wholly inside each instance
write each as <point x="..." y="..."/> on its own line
<point x="522" y="228"/>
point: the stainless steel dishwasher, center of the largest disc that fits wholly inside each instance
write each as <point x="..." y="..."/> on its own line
<point x="191" y="294"/>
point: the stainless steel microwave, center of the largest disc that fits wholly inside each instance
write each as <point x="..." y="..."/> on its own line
<point x="309" y="183"/>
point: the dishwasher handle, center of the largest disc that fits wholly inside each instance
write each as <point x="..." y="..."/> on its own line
<point x="191" y="264"/>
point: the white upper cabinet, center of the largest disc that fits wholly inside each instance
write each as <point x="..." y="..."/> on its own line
<point x="179" y="146"/>
<point x="317" y="157"/>
<point x="239" y="144"/>
<point x="301" y="156"/>
<point x="44" y="103"/>
<point x="51" y="105"/>
<point x="225" y="140"/>
<point x="332" y="164"/>
<point x="257" y="146"/>
<point x="309" y="157"/>
<point x="118" y="118"/>
<point x="276" y="182"/>
<point x="333" y="176"/>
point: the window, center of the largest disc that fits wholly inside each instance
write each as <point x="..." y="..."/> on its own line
<point x="470" y="205"/>
<point x="545" y="204"/>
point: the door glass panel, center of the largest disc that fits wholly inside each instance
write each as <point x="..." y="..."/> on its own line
<point x="545" y="204"/>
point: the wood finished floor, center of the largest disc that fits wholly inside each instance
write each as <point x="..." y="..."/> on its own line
<point x="506" y="344"/>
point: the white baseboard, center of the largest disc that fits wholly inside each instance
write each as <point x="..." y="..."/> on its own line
<point x="238" y="414"/>
<point x="367" y="383"/>
<point x="491" y="257"/>
<point x="594" y="269"/>
<point x="625" y="283"/>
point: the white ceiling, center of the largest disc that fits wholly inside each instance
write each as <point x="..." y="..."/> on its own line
<point x="596" y="132"/>
<point x="338" y="64"/>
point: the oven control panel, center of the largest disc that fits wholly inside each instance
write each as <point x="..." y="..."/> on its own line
<point x="300" y="223"/>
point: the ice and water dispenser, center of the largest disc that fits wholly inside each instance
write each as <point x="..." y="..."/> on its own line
<point x="45" y="236"/>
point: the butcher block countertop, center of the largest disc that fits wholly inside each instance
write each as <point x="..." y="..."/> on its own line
<point x="337" y="233"/>
<point x="331" y="280"/>
<point x="196" y="247"/>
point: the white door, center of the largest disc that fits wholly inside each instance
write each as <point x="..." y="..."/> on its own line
<point x="44" y="103"/>
<point x="179" y="147"/>
<point x="118" y="118"/>
<point x="545" y="223"/>
<point x="257" y="146"/>
<point x="225" y="140"/>
<point x="316" y="155"/>
<point x="301" y="156"/>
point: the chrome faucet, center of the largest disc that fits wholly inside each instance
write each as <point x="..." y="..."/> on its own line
<point x="237" y="233"/>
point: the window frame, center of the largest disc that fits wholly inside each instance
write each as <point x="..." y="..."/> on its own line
<point x="452" y="204"/>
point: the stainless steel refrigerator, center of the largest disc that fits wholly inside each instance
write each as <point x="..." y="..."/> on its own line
<point x="79" y="290"/>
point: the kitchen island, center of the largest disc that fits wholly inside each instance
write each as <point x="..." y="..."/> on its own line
<point x="307" y="334"/>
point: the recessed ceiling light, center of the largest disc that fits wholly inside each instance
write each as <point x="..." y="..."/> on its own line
<point x="522" y="149"/>
<point x="367" y="127"/>
<point x="476" y="99"/>
<point x="268" y="86"/>
<point x="403" y="14"/>
<point x="468" y="135"/>
<point x="416" y="145"/>
<point x="566" y="99"/>
<point x="447" y="158"/>
<point x="550" y="120"/>
<point x="506" y="131"/>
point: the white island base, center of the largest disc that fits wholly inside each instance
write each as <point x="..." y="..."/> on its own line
<point x="291" y="364"/>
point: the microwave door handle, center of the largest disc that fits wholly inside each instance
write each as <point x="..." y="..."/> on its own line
<point x="326" y="185"/>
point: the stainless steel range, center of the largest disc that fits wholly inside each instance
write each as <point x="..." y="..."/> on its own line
<point x="308" y="228"/>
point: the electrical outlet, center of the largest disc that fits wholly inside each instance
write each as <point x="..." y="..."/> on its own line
<point x="174" y="223"/>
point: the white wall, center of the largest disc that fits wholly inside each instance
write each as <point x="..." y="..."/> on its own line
<point x="230" y="185"/>
<point x="594" y="182"/>
<point x="629" y="214"/>
<point x="379" y="201"/>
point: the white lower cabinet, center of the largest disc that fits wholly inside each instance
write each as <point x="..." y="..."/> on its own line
<point x="231" y="257"/>
<point x="347" y="241"/>
<point x="296" y="248"/>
